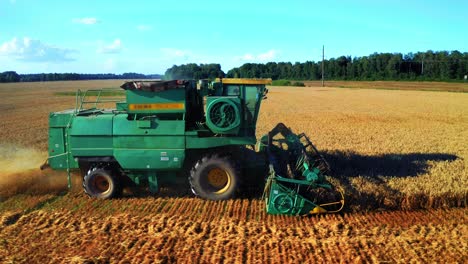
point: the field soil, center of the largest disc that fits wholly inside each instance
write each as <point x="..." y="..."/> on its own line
<point x="400" y="155"/>
<point x="73" y="229"/>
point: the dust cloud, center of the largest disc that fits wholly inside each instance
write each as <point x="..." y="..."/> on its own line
<point x="20" y="173"/>
<point x="15" y="159"/>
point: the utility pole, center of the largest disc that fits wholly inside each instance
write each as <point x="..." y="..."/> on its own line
<point x="422" y="65"/>
<point x="323" y="59"/>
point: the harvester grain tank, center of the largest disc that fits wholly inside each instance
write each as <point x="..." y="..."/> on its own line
<point x="180" y="130"/>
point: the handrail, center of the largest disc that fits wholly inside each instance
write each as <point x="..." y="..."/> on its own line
<point x="82" y="98"/>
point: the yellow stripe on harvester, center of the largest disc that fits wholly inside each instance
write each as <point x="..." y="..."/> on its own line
<point x="243" y="81"/>
<point x="157" y="106"/>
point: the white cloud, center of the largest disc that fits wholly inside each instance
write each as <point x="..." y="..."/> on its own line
<point x="247" y="57"/>
<point x="114" y="47"/>
<point x="176" y="53"/>
<point x="267" y="56"/>
<point x="144" y="27"/>
<point x="86" y="20"/>
<point x="34" y="50"/>
<point x="262" y="57"/>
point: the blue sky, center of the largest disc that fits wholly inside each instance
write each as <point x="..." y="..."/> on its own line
<point x="150" y="36"/>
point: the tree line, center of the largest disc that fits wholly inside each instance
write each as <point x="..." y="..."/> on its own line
<point x="12" y="76"/>
<point x="194" y="71"/>
<point x="430" y="66"/>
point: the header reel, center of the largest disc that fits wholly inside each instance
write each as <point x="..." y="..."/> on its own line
<point x="296" y="184"/>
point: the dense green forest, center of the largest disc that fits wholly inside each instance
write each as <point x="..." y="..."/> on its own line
<point x="194" y="71"/>
<point x="11" y="76"/>
<point x="428" y="66"/>
<point x="431" y="66"/>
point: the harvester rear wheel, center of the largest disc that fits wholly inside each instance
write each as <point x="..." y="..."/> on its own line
<point x="215" y="178"/>
<point x="101" y="183"/>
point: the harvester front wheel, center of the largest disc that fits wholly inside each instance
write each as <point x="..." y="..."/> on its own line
<point x="215" y="178"/>
<point x="100" y="183"/>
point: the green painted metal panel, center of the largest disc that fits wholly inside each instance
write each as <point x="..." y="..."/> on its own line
<point x="150" y="133"/>
<point x="150" y="159"/>
<point x="92" y="152"/>
<point x="56" y="141"/>
<point x="60" y="119"/>
<point x="169" y="101"/>
<point x="149" y="142"/>
<point x="121" y="106"/>
<point x="92" y="125"/>
<point x="194" y="142"/>
<point x="58" y="150"/>
<point x="90" y="142"/>
<point x="152" y="126"/>
<point x="91" y="136"/>
<point x="168" y="96"/>
<point x="58" y="162"/>
<point x="57" y="155"/>
<point x="91" y="145"/>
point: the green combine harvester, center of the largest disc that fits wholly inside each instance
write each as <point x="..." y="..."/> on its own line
<point x="201" y="134"/>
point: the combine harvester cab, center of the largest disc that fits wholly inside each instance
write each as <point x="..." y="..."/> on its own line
<point x="163" y="132"/>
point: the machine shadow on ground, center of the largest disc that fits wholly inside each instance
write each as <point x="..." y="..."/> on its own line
<point x="363" y="177"/>
<point x="351" y="164"/>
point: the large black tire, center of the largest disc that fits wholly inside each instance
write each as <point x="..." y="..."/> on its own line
<point x="215" y="178"/>
<point x="101" y="183"/>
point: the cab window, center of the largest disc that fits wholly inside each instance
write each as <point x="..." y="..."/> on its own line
<point x="232" y="90"/>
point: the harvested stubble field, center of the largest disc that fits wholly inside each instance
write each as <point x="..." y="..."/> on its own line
<point x="404" y="150"/>
<point x="71" y="229"/>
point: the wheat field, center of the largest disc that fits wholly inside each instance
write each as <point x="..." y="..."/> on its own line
<point x="402" y="150"/>
<point x="408" y="145"/>
<point x="70" y="229"/>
